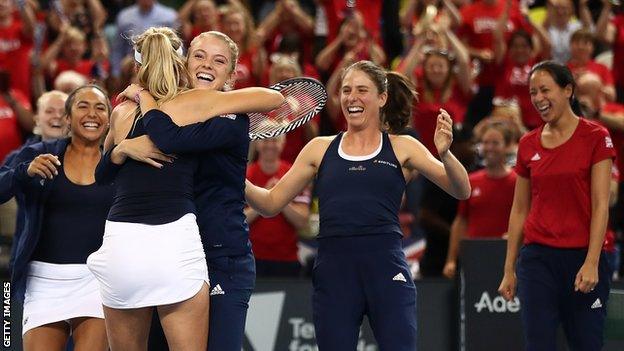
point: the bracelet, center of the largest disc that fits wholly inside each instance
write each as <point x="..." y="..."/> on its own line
<point x="137" y="96"/>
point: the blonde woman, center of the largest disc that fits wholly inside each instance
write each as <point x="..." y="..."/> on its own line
<point x="152" y="255"/>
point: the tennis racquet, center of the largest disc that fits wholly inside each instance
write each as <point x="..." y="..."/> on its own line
<point x="304" y="99"/>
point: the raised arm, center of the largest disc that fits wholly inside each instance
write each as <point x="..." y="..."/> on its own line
<point x="448" y="173"/>
<point x="199" y="105"/>
<point x="464" y="73"/>
<point x="605" y="31"/>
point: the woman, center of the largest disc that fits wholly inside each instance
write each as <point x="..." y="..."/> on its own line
<point x="163" y="199"/>
<point x="485" y="214"/>
<point x="61" y="297"/>
<point x="559" y="214"/>
<point x="222" y="145"/>
<point x="361" y="176"/>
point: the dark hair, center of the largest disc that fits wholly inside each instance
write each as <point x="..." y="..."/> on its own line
<point x="521" y="33"/>
<point x="72" y="96"/>
<point x="562" y="76"/>
<point x="397" y="112"/>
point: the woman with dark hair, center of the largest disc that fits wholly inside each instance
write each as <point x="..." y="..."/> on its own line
<point x="64" y="222"/>
<point x="559" y="215"/>
<point x="360" y="178"/>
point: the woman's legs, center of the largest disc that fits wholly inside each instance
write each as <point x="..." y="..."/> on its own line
<point x="186" y="323"/>
<point x="49" y="337"/>
<point x="128" y="329"/>
<point x="89" y="334"/>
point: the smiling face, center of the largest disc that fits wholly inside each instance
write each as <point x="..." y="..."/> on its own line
<point x="234" y="26"/>
<point x="50" y="119"/>
<point x="581" y="50"/>
<point x="360" y="100"/>
<point x="89" y="115"/>
<point x="437" y="69"/>
<point x="210" y="63"/>
<point x="550" y="100"/>
<point x="520" y="49"/>
<point x="494" y="147"/>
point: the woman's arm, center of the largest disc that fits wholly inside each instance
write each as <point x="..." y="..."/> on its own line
<point x="270" y="202"/>
<point x="458" y="232"/>
<point x="464" y="73"/>
<point x="448" y="173"/>
<point x="519" y="212"/>
<point x="199" y="105"/>
<point x="587" y="276"/>
<point x="605" y="31"/>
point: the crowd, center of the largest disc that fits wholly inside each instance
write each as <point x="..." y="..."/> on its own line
<point x="473" y="59"/>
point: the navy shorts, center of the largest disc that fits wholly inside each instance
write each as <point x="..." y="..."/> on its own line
<point x="363" y="275"/>
<point x="546" y="278"/>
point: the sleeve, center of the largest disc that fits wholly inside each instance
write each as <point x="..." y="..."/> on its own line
<point x="218" y="132"/>
<point x="13" y="175"/>
<point x="521" y="167"/>
<point x="603" y="146"/>
<point x="106" y="170"/>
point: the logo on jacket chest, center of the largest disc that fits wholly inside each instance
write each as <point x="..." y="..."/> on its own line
<point x="382" y="162"/>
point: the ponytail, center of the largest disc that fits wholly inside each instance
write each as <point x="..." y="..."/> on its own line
<point x="397" y="112"/>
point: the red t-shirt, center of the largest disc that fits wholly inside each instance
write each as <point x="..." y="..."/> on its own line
<point x="274" y="238"/>
<point x="487" y="210"/>
<point x="616" y="135"/>
<point x="295" y="141"/>
<point x="479" y="22"/>
<point x="618" y="50"/>
<point x="15" y="50"/>
<point x="244" y="70"/>
<point x="514" y="83"/>
<point x="560" y="181"/>
<point x="84" y="67"/>
<point x="602" y="71"/>
<point x="370" y="10"/>
<point x="425" y="115"/>
<point x="10" y="131"/>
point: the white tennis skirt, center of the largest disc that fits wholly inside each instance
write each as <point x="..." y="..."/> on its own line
<point x="59" y="292"/>
<point x="142" y="265"/>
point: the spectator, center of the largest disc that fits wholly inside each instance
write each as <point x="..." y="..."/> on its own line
<point x="68" y="81"/>
<point x="68" y="53"/>
<point x="283" y="68"/>
<point x="274" y="240"/>
<point x="87" y="15"/>
<point x="16" y="117"/>
<point x="422" y="13"/>
<point x="443" y="80"/>
<point x="197" y="16"/>
<point x="237" y="23"/>
<point x="16" y="42"/>
<point x="352" y="38"/>
<point x="486" y="212"/>
<point x="611" y="31"/>
<point x="480" y="19"/>
<point x="581" y="53"/>
<point x="514" y="58"/>
<point x="560" y="24"/>
<point x="136" y="19"/>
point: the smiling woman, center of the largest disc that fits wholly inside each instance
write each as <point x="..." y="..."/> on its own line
<point x="559" y="216"/>
<point x="57" y="180"/>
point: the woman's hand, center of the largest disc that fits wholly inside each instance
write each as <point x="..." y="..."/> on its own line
<point x="507" y="287"/>
<point x="443" y="137"/>
<point x="142" y="149"/>
<point x="44" y="165"/>
<point x="130" y="93"/>
<point x="586" y="278"/>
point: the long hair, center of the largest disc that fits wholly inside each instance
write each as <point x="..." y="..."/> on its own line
<point x="397" y="112"/>
<point x="162" y="69"/>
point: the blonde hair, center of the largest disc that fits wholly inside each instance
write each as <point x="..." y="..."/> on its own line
<point x="43" y="99"/>
<point x="250" y="27"/>
<point x="163" y="71"/>
<point x="234" y="51"/>
<point x="74" y="33"/>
